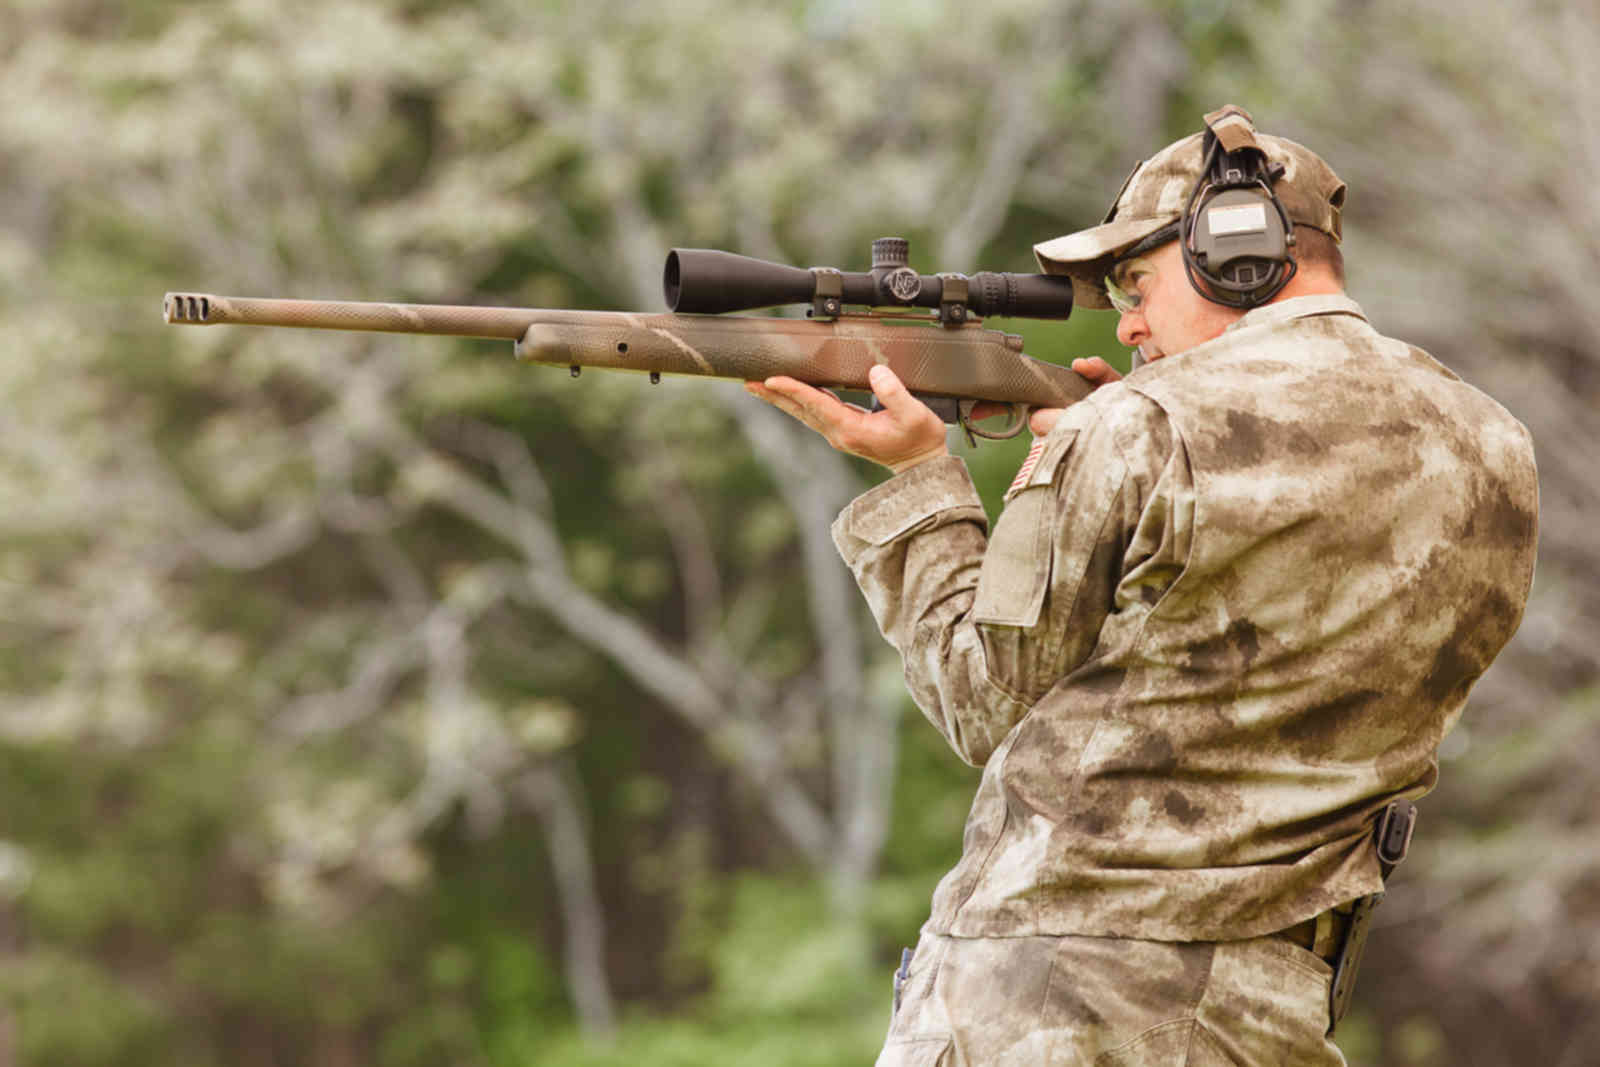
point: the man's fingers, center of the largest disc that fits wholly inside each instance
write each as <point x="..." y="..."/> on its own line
<point x="810" y="405"/>
<point x="840" y="423"/>
<point x="783" y="402"/>
<point x="1096" y="370"/>
<point x="796" y="392"/>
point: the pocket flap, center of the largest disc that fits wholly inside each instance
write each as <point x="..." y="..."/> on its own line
<point x="1016" y="565"/>
<point x="919" y="1052"/>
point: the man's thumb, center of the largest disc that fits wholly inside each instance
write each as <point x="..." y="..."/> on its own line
<point x="888" y="388"/>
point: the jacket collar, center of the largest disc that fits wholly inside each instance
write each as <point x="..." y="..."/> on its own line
<point x="1299" y="307"/>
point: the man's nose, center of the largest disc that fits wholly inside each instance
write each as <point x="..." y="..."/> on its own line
<point x="1132" y="330"/>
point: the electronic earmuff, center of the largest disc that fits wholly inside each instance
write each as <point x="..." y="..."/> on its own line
<point x="1235" y="233"/>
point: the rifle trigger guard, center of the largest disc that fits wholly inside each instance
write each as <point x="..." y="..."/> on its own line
<point x="1019" y="420"/>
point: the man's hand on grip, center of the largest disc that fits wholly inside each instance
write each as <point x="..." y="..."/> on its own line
<point x="1093" y="369"/>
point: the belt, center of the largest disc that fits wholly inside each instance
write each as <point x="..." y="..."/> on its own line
<point x="1322" y="934"/>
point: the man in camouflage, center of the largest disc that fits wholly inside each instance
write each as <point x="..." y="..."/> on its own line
<point x="1233" y="602"/>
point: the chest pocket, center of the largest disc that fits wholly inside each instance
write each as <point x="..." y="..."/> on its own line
<point x="1016" y="566"/>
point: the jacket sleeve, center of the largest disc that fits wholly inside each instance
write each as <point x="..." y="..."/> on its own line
<point x="986" y="626"/>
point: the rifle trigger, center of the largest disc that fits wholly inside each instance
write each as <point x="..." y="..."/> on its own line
<point x="1019" y="420"/>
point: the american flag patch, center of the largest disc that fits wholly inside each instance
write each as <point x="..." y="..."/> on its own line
<point x="1027" y="466"/>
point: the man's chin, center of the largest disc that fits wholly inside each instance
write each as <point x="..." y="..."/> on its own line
<point x="1143" y="355"/>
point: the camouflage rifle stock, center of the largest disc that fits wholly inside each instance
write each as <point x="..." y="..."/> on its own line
<point x="947" y="359"/>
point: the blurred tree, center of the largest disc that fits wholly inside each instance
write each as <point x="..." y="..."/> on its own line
<point x="278" y="539"/>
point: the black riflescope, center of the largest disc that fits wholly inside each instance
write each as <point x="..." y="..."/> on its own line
<point x="706" y="281"/>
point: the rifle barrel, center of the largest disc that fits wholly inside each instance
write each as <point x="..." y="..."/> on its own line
<point x="206" y="309"/>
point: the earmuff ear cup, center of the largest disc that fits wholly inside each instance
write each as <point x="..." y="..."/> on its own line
<point x="1240" y="240"/>
<point x="1236" y="234"/>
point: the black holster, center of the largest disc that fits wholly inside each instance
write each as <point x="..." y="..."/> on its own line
<point x="1393" y="838"/>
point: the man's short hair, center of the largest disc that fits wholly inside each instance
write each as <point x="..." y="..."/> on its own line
<point x="1312" y="246"/>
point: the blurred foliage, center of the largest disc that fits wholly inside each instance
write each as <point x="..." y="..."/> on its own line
<point x="375" y="700"/>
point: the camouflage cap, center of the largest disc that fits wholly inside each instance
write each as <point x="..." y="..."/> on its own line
<point x="1158" y="188"/>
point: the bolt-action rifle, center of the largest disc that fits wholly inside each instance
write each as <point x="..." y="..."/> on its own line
<point x="942" y="354"/>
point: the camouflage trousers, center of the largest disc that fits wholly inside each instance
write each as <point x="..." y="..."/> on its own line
<point x="1110" y="1002"/>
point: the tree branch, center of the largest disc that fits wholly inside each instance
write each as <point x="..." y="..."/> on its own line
<point x="550" y="791"/>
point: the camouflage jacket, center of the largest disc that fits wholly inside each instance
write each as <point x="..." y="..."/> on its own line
<point x="1225" y="617"/>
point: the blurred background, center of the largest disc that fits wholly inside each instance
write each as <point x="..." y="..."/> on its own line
<point x="375" y="700"/>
